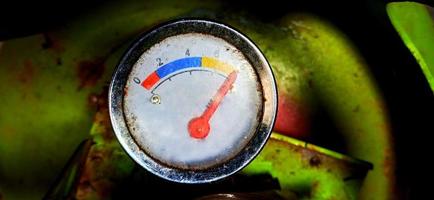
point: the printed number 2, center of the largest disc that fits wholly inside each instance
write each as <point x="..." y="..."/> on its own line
<point x="159" y="61"/>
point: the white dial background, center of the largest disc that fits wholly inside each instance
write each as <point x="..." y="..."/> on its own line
<point x="161" y="130"/>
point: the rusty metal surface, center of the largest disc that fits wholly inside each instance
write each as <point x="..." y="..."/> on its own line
<point x="48" y="81"/>
<point x="301" y="169"/>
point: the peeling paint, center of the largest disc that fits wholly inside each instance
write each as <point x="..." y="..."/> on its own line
<point x="89" y="72"/>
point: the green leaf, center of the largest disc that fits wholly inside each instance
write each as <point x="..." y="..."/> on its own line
<point x="415" y="24"/>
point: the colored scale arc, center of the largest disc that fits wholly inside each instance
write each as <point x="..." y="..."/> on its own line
<point x="183" y="63"/>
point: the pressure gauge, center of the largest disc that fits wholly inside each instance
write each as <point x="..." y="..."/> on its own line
<point x="193" y="101"/>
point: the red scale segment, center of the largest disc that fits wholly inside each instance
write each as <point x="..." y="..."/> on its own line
<point x="150" y="80"/>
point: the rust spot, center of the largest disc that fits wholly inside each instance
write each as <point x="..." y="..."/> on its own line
<point x="96" y="180"/>
<point x="96" y="157"/>
<point x="85" y="190"/>
<point x="93" y="100"/>
<point x="59" y="61"/>
<point x="310" y="83"/>
<point x="89" y="72"/>
<point x="104" y="187"/>
<point x="7" y="132"/>
<point x="26" y="75"/>
<point x="357" y="108"/>
<point x="315" y="186"/>
<point x="389" y="164"/>
<point x="125" y="91"/>
<point x="99" y="101"/>
<point x="52" y="42"/>
<point x="315" y="161"/>
<point x="389" y="169"/>
<point x="59" y="89"/>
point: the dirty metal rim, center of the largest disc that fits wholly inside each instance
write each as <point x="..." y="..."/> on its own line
<point x="256" y="59"/>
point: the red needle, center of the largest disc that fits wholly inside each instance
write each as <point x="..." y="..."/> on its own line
<point x="199" y="126"/>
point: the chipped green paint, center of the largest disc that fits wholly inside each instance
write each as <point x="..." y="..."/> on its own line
<point x="45" y="110"/>
<point x="107" y="163"/>
<point x="343" y="84"/>
<point x="317" y="66"/>
<point x="308" y="170"/>
<point x="415" y="24"/>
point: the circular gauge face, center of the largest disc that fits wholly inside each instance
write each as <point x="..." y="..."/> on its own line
<point x="193" y="101"/>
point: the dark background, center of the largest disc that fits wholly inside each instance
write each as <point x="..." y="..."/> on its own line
<point x="407" y="93"/>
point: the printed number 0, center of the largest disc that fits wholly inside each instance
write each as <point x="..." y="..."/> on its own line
<point x="136" y="80"/>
